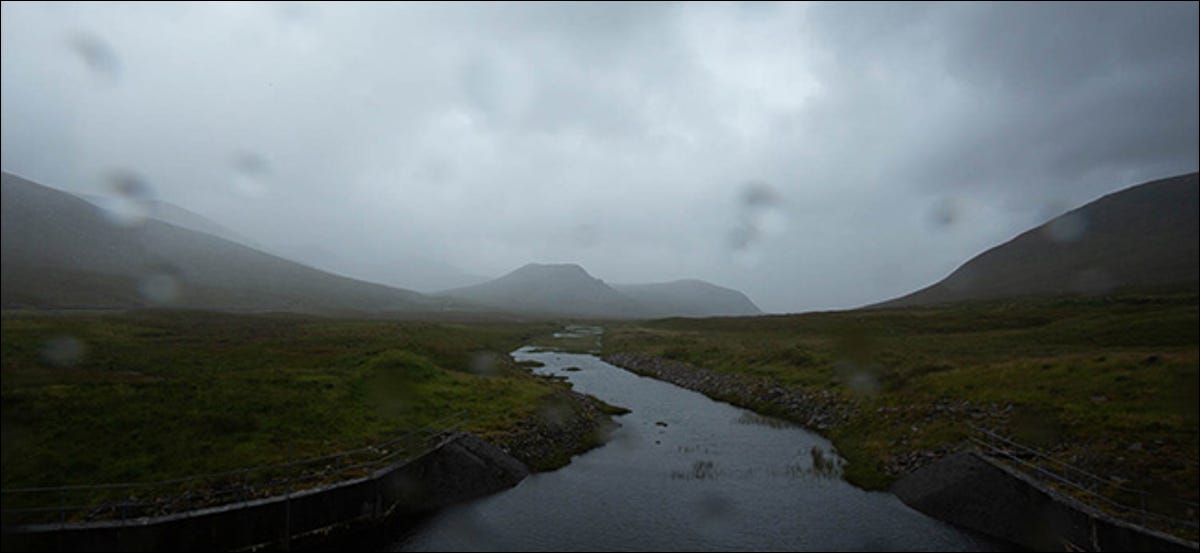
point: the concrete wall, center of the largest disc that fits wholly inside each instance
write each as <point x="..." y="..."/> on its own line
<point x="461" y="468"/>
<point x="976" y="492"/>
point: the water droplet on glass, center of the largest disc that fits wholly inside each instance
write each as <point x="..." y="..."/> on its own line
<point x="250" y="172"/>
<point x="863" y="383"/>
<point x="945" y="213"/>
<point x="483" y="363"/>
<point x="743" y="237"/>
<point x="759" y="218"/>
<point x="1067" y="228"/>
<point x="556" y="414"/>
<point x="757" y="193"/>
<point x="714" y="506"/>
<point x="159" y="288"/>
<point x="1093" y="281"/>
<point x="97" y="55"/>
<point x="130" y="200"/>
<point x="63" y="351"/>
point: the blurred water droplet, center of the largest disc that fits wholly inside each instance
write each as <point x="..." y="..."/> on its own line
<point x="1093" y="281"/>
<point x="859" y="377"/>
<point x="483" y="363"/>
<point x="556" y="414"/>
<point x="63" y="351"/>
<point x="863" y="383"/>
<point x="748" y="258"/>
<point x="292" y="11"/>
<point x="757" y="193"/>
<point x="130" y="201"/>
<point x="250" y="172"/>
<point x="1067" y="228"/>
<point x="743" y="237"/>
<point x="945" y="213"/>
<point x="100" y="58"/>
<point x="627" y="440"/>
<point x="159" y="288"/>
<point x="714" y="506"/>
<point x="759" y="218"/>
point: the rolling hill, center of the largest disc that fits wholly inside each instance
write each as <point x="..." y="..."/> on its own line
<point x="1145" y="237"/>
<point x="688" y="298"/>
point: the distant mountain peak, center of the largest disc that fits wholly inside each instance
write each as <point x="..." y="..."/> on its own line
<point x="568" y="289"/>
<point x="559" y="269"/>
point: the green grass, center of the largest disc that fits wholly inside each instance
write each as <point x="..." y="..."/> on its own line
<point x="158" y="394"/>
<point x="1108" y="383"/>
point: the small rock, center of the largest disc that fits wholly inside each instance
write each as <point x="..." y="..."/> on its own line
<point x="660" y="423"/>
<point x="1135" y="446"/>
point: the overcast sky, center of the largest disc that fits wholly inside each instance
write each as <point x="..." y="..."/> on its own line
<point x="813" y="156"/>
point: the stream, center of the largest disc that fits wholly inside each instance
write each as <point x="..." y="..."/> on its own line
<point x="684" y="473"/>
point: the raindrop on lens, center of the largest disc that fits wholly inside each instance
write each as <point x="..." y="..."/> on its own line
<point x="63" y="351"/>
<point x="130" y="201"/>
<point x="97" y="55"/>
<point x="159" y="288"/>
<point x="250" y="172"/>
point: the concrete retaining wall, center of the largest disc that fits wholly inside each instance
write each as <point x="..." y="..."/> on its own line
<point x="976" y="492"/>
<point x="463" y="467"/>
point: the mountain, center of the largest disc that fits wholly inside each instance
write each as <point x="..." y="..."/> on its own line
<point x="688" y="298"/>
<point x="1141" y="238"/>
<point x="379" y="261"/>
<point x="568" y="290"/>
<point x="170" y="213"/>
<point x="60" y="251"/>
<point x="561" y="290"/>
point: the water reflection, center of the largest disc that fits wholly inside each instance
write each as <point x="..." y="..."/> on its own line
<point x="683" y="473"/>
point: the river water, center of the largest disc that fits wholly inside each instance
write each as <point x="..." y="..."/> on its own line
<point x="684" y="473"/>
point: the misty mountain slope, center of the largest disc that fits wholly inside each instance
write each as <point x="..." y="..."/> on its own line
<point x="61" y="251"/>
<point x="688" y="298"/>
<point x="1143" y="237"/>
<point x="565" y="290"/>
<point x="181" y="217"/>
<point x="568" y="290"/>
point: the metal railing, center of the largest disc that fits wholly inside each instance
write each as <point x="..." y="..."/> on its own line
<point x="1134" y="505"/>
<point x="127" y="500"/>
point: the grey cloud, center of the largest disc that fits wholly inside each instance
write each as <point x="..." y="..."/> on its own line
<point x="368" y="138"/>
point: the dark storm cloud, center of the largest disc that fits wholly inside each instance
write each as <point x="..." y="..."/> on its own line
<point x="413" y="144"/>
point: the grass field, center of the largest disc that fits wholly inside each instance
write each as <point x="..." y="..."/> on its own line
<point x="97" y="398"/>
<point x="1106" y="383"/>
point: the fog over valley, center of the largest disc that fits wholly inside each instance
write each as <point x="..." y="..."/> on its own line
<point x="810" y="156"/>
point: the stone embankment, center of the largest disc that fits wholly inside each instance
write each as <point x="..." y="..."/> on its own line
<point x="814" y="410"/>
<point x="569" y="425"/>
<point x="974" y="491"/>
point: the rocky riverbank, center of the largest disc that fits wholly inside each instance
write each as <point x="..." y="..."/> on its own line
<point x="814" y="410"/>
<point x="567" y="425"/>
<point x="819" y="411"/>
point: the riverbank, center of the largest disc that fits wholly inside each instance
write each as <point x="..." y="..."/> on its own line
<point x="1106" y="385"/>
<point x="150" y="400"/>
<point x="461" y="467"/>
<point x="683" y="473"/>
<point x="569" y="424"/>
<point x="960" y="487"/>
